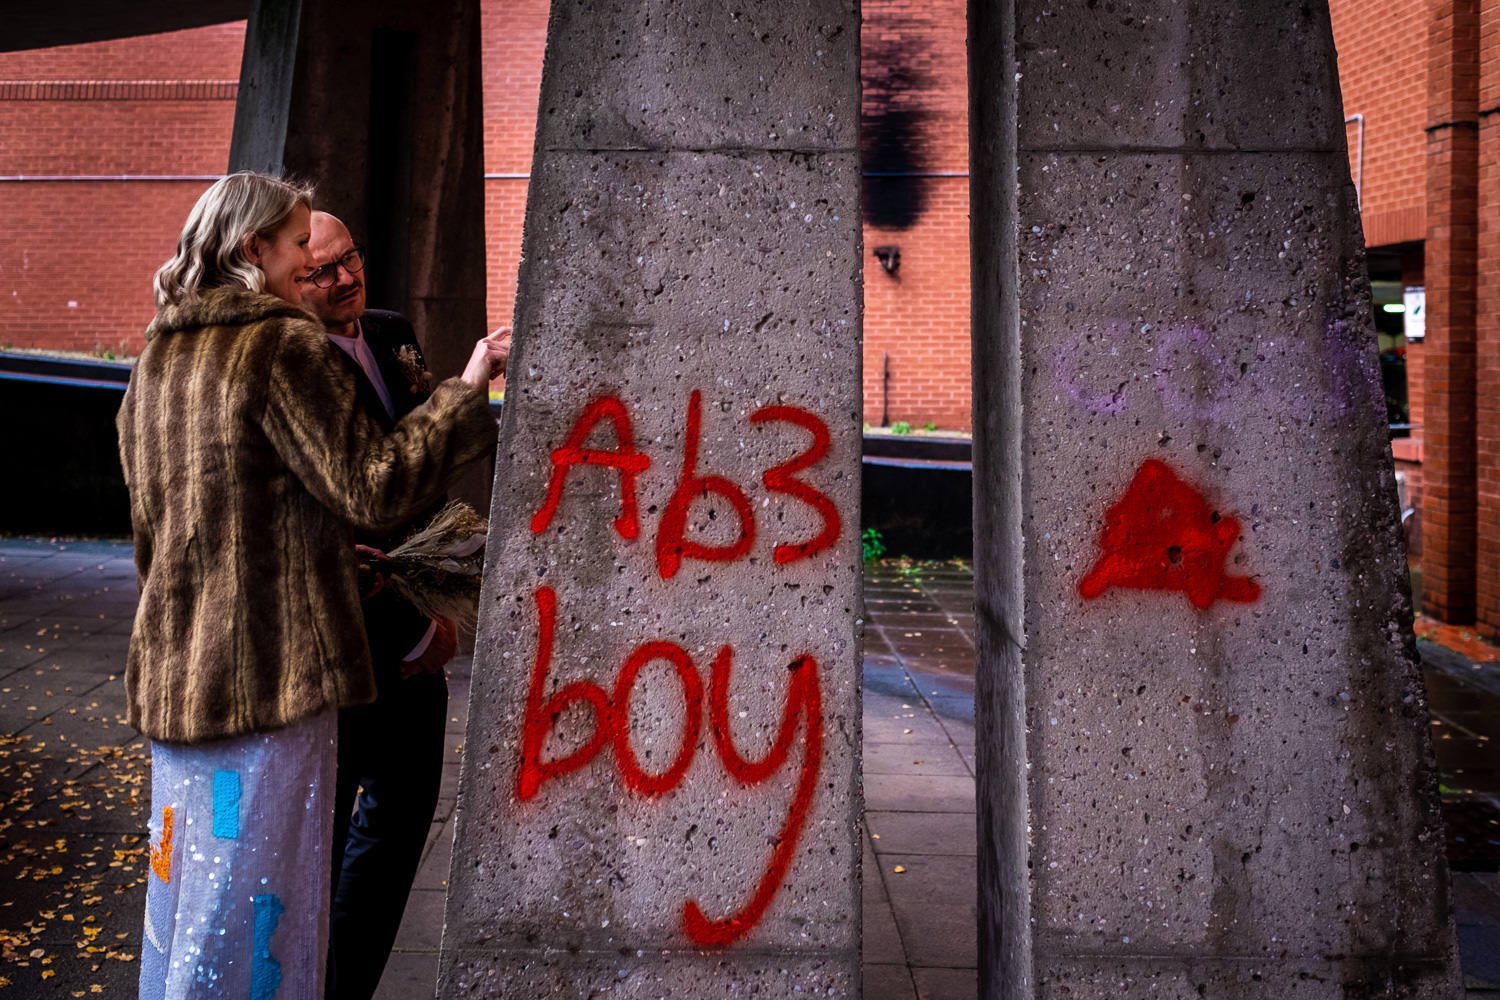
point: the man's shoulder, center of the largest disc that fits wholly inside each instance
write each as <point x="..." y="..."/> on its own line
<point x="386" y="326"/>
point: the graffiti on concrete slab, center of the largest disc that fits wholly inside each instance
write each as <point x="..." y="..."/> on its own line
<point x="705" y="707"/>
<point x="1195" y="377"/>
<point x="1162" y="534"/>
<point x="1182" y="356"/>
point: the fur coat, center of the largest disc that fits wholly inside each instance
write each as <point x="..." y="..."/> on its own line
<point x="248" y="460"/>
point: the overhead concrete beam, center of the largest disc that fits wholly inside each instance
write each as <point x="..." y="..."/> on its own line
<point x="40" y="24"/>
<point x="660" y="792"/>
<point x="1204" y="768"/>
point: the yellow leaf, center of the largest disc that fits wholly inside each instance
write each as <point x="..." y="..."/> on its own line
<point x="48" y="973"/>
<point x="899" y="869"/>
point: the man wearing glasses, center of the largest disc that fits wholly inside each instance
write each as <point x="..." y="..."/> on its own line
<point x="391" y="751"/>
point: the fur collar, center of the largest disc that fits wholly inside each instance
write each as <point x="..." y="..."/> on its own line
<point x="223" y="307"/>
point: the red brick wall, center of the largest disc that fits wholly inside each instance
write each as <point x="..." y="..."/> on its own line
<point x="1487" y="328"/>
<point x="514" y="35"/>
<point x="1382" y="50"/>
<point x="1448" y="436"/>
<point x="76" y="257"/>
<point x="915" y="65"/>
<point x="920" y="315"/>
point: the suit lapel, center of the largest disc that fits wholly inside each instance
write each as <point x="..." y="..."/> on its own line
<point x="368" y="397"/>
<point x="384" y="345"/>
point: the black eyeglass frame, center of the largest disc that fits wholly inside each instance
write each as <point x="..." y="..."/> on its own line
<point x="327" y="275"/>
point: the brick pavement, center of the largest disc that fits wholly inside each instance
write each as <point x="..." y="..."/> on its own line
<point x="73" y="791"/>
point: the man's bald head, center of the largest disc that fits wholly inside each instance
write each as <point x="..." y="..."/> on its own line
<point x="333" y="249"/>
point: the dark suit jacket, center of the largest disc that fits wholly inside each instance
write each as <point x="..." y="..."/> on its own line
<point x="392" y="625"/>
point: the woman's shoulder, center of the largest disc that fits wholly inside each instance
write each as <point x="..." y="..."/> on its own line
<point x="228" y="307"/>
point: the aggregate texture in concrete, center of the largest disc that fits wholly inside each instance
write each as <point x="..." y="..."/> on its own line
<point x="1204" y="767"/>
<point x="660" y="793"/>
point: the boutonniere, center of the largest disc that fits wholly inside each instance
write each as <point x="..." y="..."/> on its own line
<point x="418" y="378"/>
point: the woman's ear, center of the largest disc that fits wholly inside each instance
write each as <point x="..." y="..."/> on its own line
<point x="250" y="247"/>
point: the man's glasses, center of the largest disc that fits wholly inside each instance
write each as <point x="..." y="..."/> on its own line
<point x="325" y="276"/>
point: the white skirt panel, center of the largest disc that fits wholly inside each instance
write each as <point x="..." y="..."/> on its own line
<point x="237" y="896"/>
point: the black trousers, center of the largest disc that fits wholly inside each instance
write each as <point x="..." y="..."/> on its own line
<point x="390" y="767"/>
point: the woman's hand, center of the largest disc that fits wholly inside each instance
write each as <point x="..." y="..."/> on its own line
<point x="488" y="360"/>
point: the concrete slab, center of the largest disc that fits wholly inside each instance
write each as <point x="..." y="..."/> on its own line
<point x="923" y="833"/>
<point x="885" y="981"/>
<point x="919" y="793"/>
<point x="940" y="934"/>
<point x="673" y="567"/>
<point x="946" y="984"/>
<point x="1198" y="692"/>
<point x="913" y="758"/>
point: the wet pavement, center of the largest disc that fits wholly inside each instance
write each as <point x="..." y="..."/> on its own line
<point x="73" y="789"/>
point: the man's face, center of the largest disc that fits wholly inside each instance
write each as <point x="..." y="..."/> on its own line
<point x="344" y="300"/>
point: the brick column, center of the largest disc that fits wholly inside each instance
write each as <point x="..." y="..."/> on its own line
<point x="1487" y="329"/>
<point x="1449" y="496"/>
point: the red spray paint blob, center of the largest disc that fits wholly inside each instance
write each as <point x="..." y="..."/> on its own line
<point x="1163" y="535"/>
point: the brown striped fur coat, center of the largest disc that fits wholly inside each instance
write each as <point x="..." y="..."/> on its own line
<point x="248" y="461"/>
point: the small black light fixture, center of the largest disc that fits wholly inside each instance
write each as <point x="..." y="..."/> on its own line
<point x="889" y="257"/>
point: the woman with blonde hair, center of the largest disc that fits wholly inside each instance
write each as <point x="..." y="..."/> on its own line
<point x="248" y="463"/>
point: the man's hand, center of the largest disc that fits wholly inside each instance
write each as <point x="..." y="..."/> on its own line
<point x="487" y="362"/>
<point x="438" y="652"/>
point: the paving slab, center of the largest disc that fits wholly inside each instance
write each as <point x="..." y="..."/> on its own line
<point x="888" y="982"/>
<point x="925" y="833"/>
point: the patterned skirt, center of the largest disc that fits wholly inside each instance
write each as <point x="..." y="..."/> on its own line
<point x="237" y="901"/>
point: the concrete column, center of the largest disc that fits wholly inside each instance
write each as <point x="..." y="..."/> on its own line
<point x="1449" y="496"/>
<point x="1203" y="760"/>
<point x="660" y="792"/>
<point x="264" y="101"/>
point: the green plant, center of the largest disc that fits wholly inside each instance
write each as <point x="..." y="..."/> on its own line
<point x="929" y="426"/>
<point x="874" y="545"/>
<point x="901" y="427"/>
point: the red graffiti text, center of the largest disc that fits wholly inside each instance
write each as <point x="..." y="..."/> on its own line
<point x="672" y="543"/>
<point x="610" y="726"/>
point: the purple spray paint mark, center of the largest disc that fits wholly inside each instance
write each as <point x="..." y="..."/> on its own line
<point x="1206" y="400"/>
<point x="1065" y="366"/>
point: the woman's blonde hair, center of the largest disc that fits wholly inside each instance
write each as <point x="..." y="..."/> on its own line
<point x="210" y="251"/>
